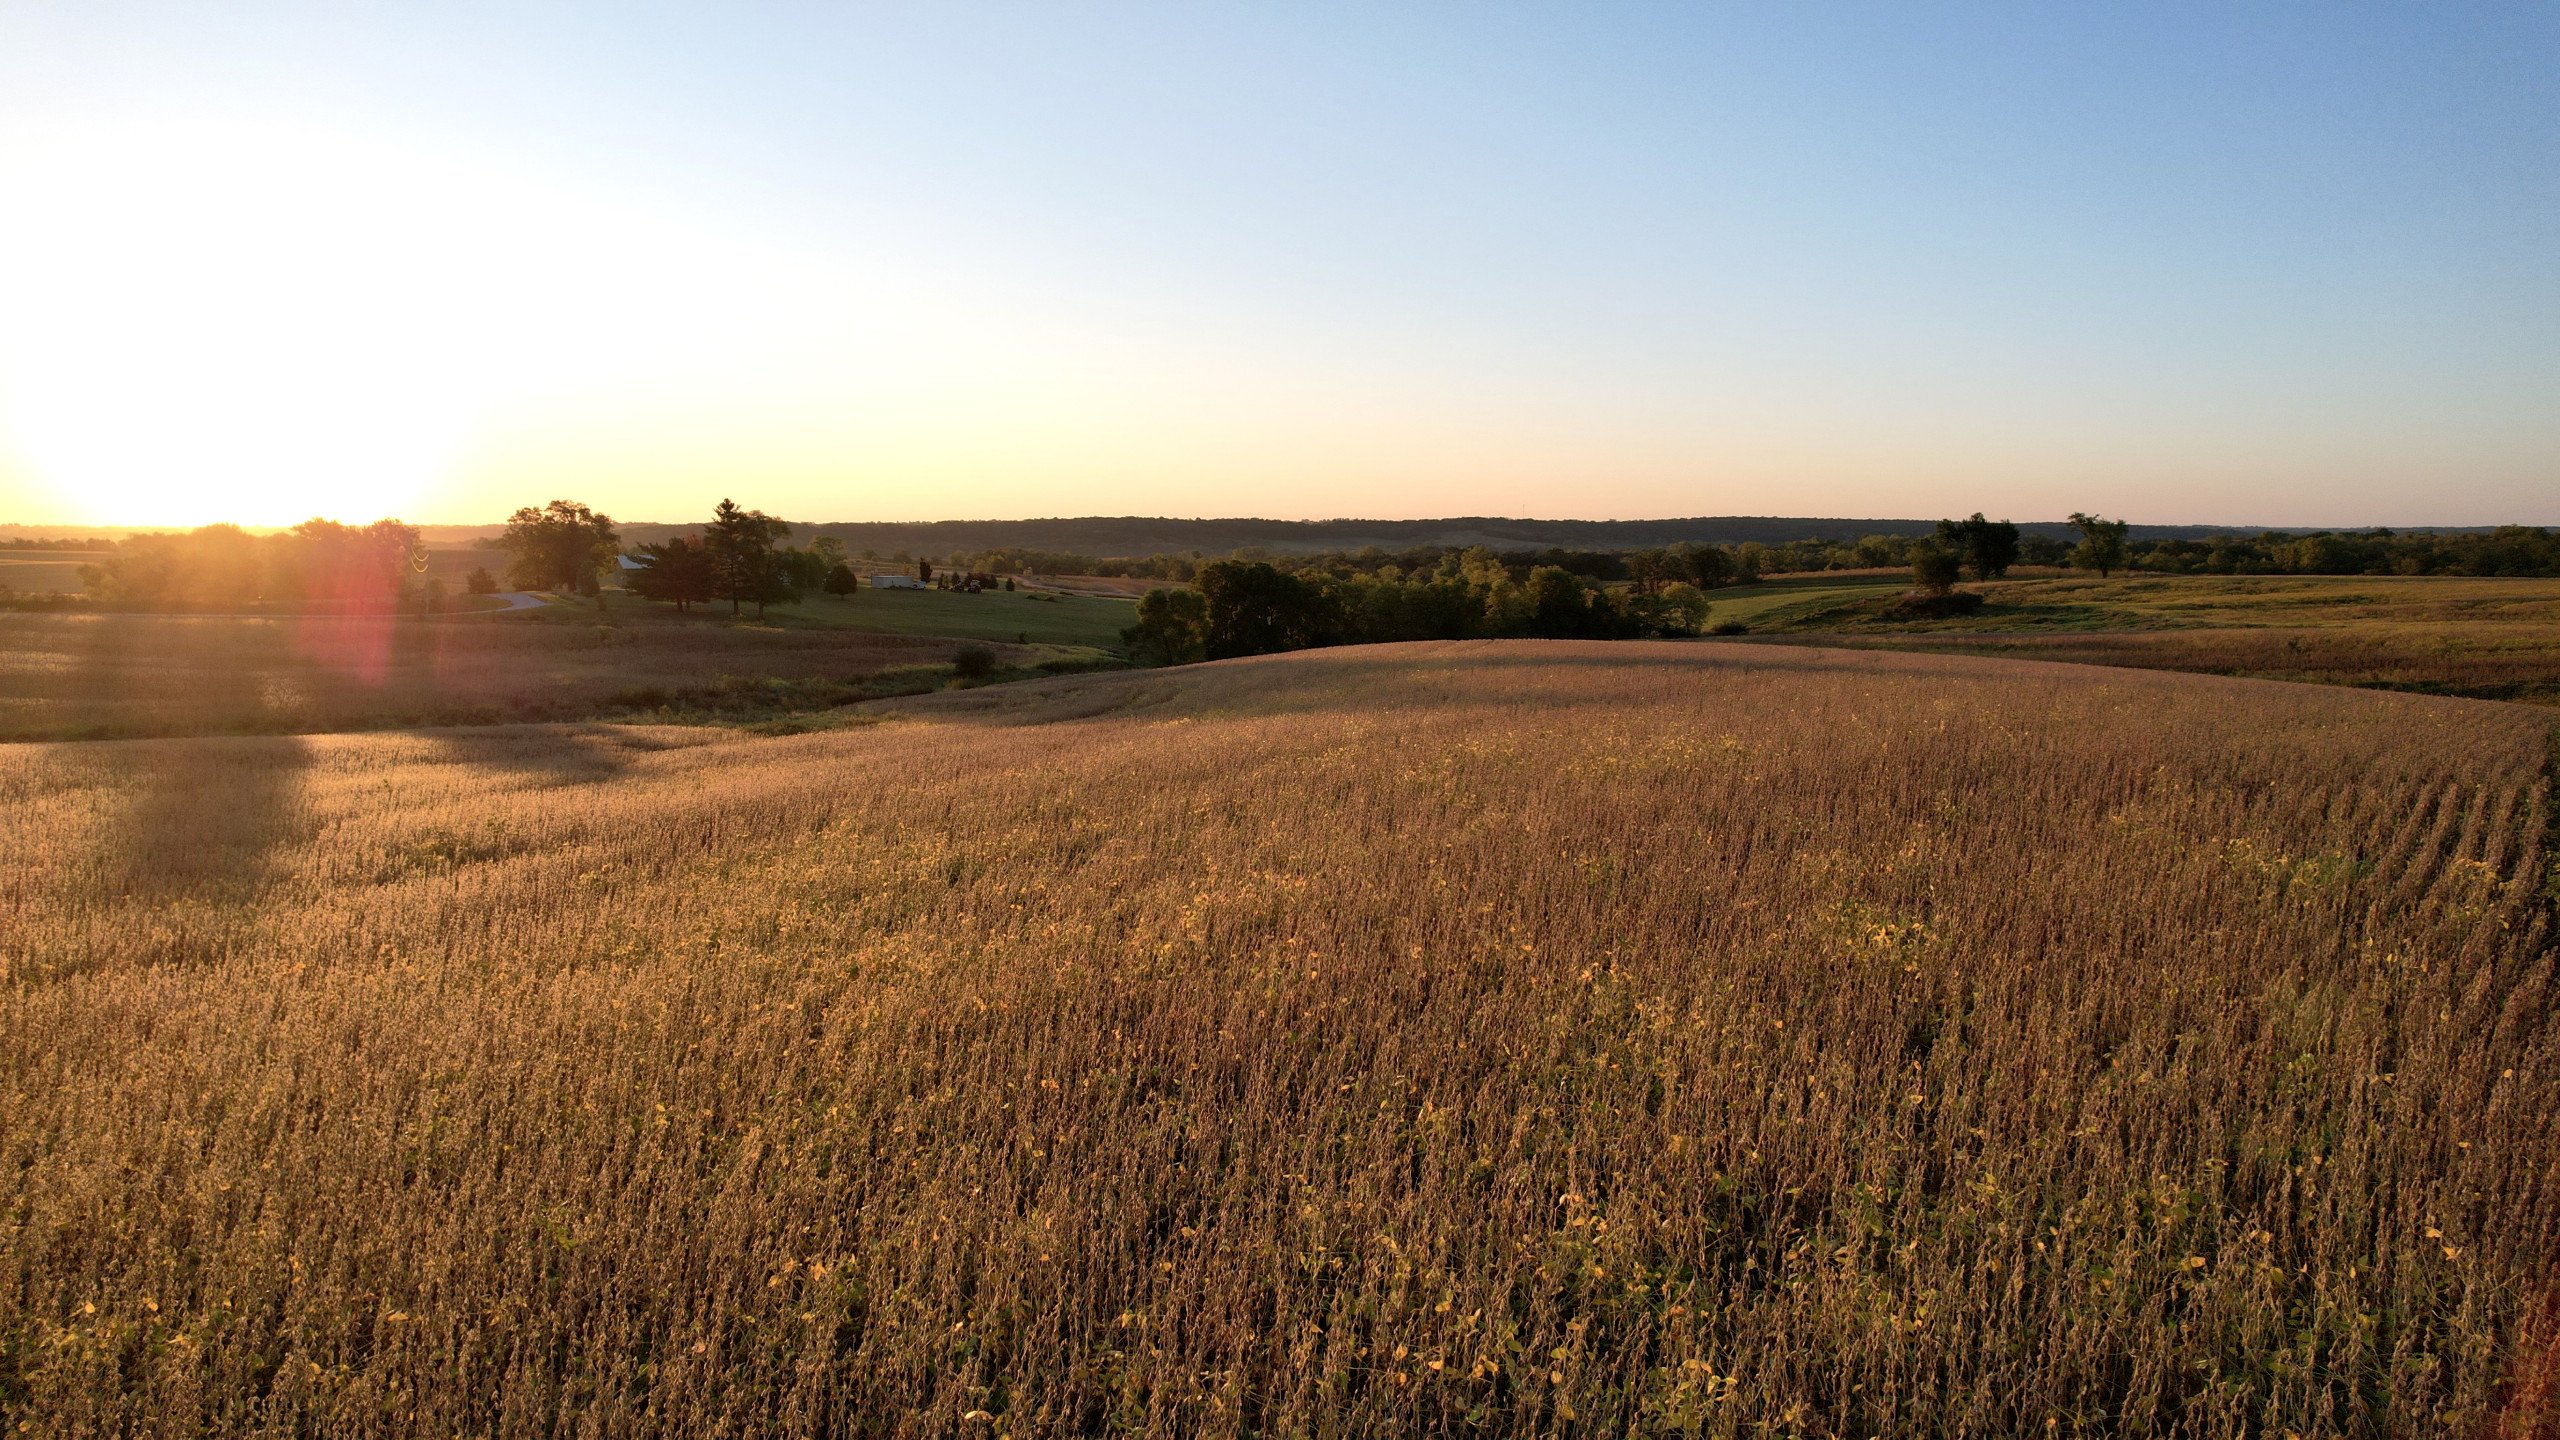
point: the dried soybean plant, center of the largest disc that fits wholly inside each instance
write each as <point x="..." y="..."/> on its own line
<point x="1448" y="1039"/>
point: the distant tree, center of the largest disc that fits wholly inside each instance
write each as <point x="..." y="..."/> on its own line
<point x="1559" y="605"/>
<point x="1876" y="552"/>
<point x="1008" y="584"/>
<point x="481" y="582"/>
<point x="1986" y="547"/>
<point x="327" y="562"/>
<point x="1170" y="629"/>
<point x="924" y="571"/>
<point x="561" y="546"/>
<point x="680" y="571"/>
<point x="1934" y="566"/>
<point x="2101" y="546"/>
<point x="1709" y="565"/>
<point x="829" y="550"/>
<point x="973" y="662"/>
<point x="741" y="546"/>
<point x="2042" y="550"/>
<point x="1653" y="569"/>
<point x="842" y="582"/>
<point x="788" y="574"/>
<point x="318" y="562"/>
<point x="1681" y="609"/>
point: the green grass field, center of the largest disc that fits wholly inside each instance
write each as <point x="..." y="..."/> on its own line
<point x="1788" y="600"/>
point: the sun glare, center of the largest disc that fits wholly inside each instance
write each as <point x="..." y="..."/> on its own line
<point x="262" y="324"/>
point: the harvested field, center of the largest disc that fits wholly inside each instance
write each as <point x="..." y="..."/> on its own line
<point x="98" y="676"/>
<point x="1517" y="1039"/>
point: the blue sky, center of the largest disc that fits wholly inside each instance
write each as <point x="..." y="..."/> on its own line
<point x="2244" y="264"/>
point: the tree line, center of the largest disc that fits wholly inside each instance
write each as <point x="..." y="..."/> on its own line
<point x="2513" y="550"/>
<point x="738" y="557"/>
<point x="223" y="567"/>
<point x="1252" y="607"/>
<point x="1256" y="607"/>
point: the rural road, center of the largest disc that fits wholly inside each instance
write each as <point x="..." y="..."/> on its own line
<point x="517" y="600"/>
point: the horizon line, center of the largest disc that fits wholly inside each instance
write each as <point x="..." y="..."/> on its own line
<point x="2248" y="528"/>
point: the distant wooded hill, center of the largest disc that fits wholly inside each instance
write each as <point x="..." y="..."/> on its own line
<point x="1150" y="535"/>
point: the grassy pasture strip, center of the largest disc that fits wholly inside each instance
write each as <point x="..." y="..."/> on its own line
<point x="2185" y="602"/>
<point x="1780" y="602"/>
<point x="1474" y="1038"/>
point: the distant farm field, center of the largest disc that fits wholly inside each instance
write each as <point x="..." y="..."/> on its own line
<point x="43" y="572"/>
<point x="1465" y="1039"/>
<point x="2483" y="638"/>
<point x="1125" y="587"/>
<point x="1019" y="616"/>
<point x="100" y="675"/>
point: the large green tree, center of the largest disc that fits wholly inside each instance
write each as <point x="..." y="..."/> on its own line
<point x="560" y="546"/>
<point x="2101" y="546"/>
<point x="1986" y="547"/>
<point x="1169" y="628"/>
<point x="679" y="571"/>
<point x="1251" y="608"/>
<point x="1935" y="567"/>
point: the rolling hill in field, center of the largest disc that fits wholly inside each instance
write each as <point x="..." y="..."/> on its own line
<point x="1497" y="1039"/>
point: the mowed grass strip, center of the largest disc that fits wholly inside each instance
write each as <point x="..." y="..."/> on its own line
<point x="1465" y="1039"/>
<point x="1782" y="601"/>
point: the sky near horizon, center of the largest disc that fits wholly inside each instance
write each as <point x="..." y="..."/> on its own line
<point x="2221" y="263"/>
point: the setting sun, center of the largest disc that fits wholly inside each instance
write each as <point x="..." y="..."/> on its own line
<point x="260" y="323"/>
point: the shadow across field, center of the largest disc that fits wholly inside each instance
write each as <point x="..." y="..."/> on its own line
<point x="196" y="820"/>
<point x="204" y="820"/>
<point x="548" y="755"/>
